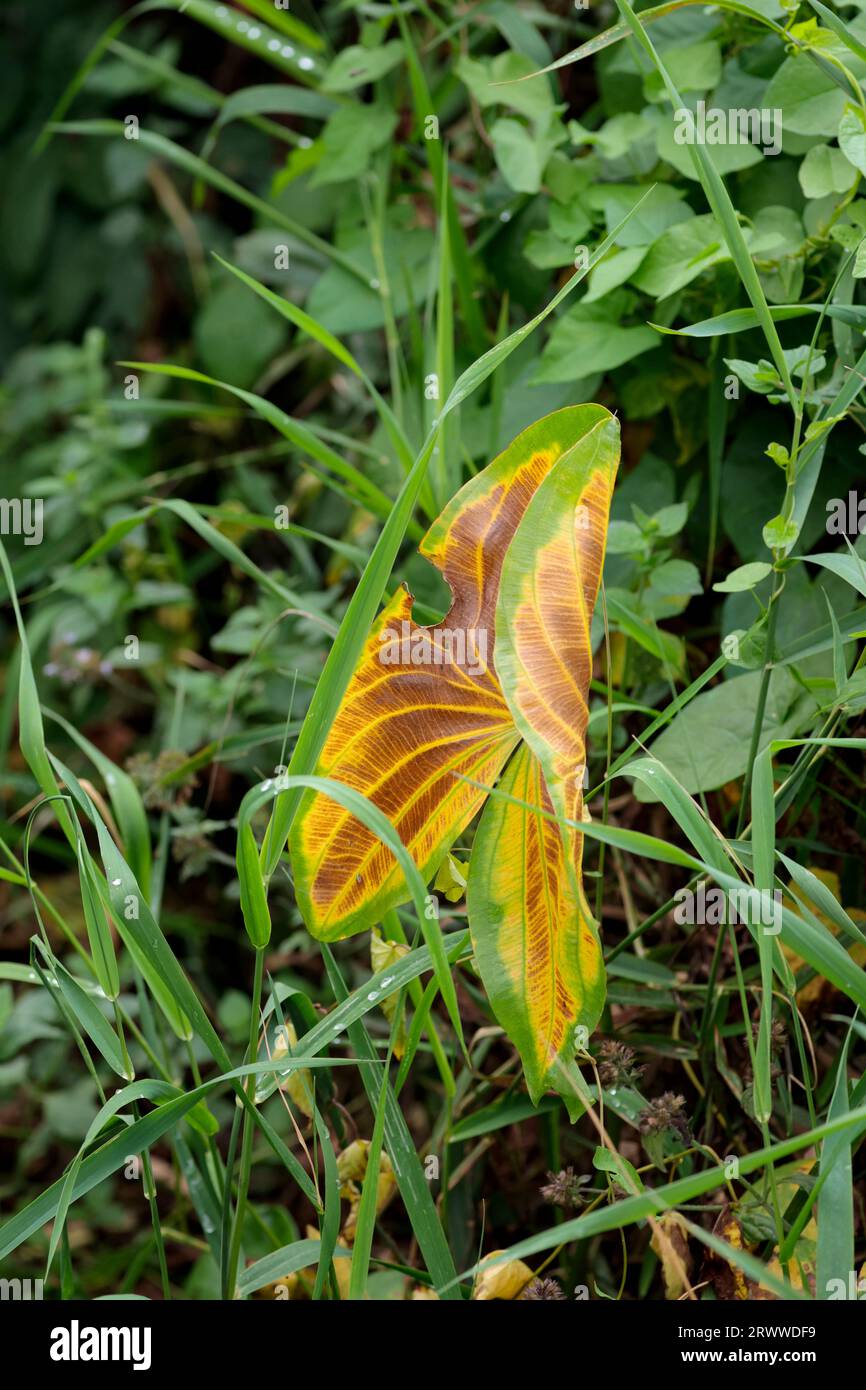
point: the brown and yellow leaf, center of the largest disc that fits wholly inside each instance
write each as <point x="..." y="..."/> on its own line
<point x="424" y="711"/>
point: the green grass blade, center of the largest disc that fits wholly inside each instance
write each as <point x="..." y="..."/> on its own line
<point x="414" y="1187"/>
<point x="135" y="1138"/>
<point x="286" y="23"/>
<point x="330" y="1224"/>
<point x="98" y="934"/>
<point x="446" y="472"/>
<point x="31" y="733"/>
<point x="446" y="205"/>
<point x="331" y="344"/>
<point x="656" y="1201"/>
<point x="354" y="1006"/>
<point x="366" y="1224"/>
<point x="231" y="552"/>
<point x="128" y="924"/>
<point x="254" y="898"/>
<point x="294" y="430"/>
<point x="836" y="1199"/>
<point x="744" y="320"/>
<point x="87" y="1014"/>
<point x="125" y="799"/>
<point x="710" y="846"/>
<point x="301" y="1254"/>
<point x="127" y="900"/>
<point x="840" y="28"/>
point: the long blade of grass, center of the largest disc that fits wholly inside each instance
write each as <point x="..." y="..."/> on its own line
<point x="279" y="1264"/>
<point x="836" y="1199"/>
<point x="743" y="320"/>
<point x="294" y="430"/>
<point x="819" y="894"/>
<point x="446" y="206"/>
<point x="87" y="1014"/>
<point x="126" y="912"/>
<point x="136" y="922"/>
<point x="31" y="732"/>
<point x="354" y="1006"/>
<point x="655" y="1201"/>
<point x="140" y="1135"/>
<point x="307" y="324"/>
<point x="330" y="1224"/>
<point x="414" y="1187"/>
<point x="840" y="28"/>
<point x="811" y="456"/>
<point x="366" y="1223"/>
<point x="126" y="802"/>
<point x="446" y="474"/>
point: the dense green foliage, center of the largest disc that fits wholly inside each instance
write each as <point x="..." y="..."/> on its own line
<point x="253" y="259"/>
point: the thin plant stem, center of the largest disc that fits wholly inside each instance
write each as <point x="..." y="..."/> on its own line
<point x="247" y="1131"/>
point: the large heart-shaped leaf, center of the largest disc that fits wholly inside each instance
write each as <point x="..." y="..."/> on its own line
<point x="424" y="710"/>
<point x="426" y="728"/>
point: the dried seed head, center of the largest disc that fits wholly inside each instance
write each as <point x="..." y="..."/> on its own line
<point x="564" y="1189"/>
<point x="618" y="1066"/>
<point x="665" y="1112"/>
<point x="543" y="1291"/>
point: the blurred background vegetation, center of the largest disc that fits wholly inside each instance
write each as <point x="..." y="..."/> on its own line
<point x="106" y="259"/>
